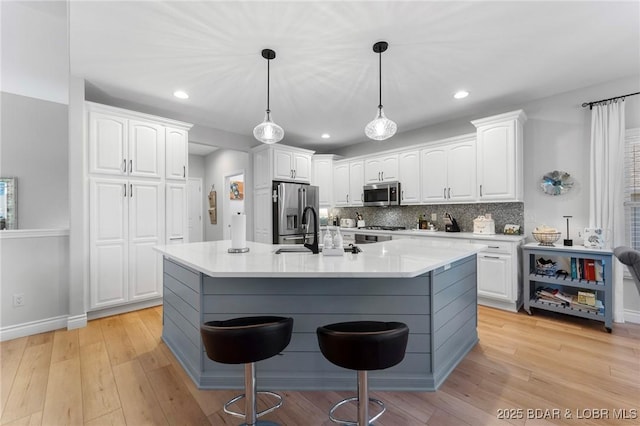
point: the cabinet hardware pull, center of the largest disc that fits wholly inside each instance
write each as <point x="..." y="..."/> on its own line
<point x="402" y="195"/>
<point x="449" y="193"/>
<point x="175" y="238"/>
<point x="362" y="196"/>
<point x="130" y="166"/>
<point x="295" y="172"/>
<point x="131" y="190"/>
<point x="347" y="198"/>
<point x="444" y="193"/>
<point x="481" y="190"/>
<point x="184" y="171"/>
<point x="497" y="247"/>
<point x="124" y="165"/>
<point x="381" y="175"/>
<point x="125" y="189"/>
<point x="491" y="257"/>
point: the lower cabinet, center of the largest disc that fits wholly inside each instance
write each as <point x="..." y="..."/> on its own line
<point x="176" y="219"/>
<point x="126" y="222"/>
<point x="499" y="275"/>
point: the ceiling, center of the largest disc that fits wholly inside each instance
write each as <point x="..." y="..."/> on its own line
<point x="325" y="75"/>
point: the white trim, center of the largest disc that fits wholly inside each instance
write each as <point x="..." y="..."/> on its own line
<point x="33" y="233"/>
<point x="92" y="106"/>
<point x="107" y="312"/>
<point x="33" y="327"/>
<point x="632" y="316"/>
<point x="76" y="321"/>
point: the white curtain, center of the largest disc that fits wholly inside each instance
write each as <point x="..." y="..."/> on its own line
<point x="606" y="198"/>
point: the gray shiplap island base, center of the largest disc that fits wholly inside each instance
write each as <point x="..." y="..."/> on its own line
<point x="430" y="286"/>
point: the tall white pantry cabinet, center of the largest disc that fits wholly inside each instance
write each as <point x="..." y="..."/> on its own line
<point x="137" y="172"/>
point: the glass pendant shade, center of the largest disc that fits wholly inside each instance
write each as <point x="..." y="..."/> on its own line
<point x="381" y="127"/>
<point x="268" y="132"/>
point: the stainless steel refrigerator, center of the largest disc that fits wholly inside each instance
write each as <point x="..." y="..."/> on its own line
<point x="289" y="201"/>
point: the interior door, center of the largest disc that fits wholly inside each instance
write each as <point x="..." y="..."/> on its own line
<point x="194" y="197"/>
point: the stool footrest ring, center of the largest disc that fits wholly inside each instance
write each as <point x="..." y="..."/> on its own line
<point x="350" y="422"/>
<point x="258" y="414"/>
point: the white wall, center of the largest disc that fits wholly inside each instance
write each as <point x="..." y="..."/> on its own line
<point x="196" y="166"/>
<point x="219" y="164"/>
<point x="34" y="150"/>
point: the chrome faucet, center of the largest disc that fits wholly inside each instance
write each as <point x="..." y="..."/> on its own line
<point x="313" y="247"/>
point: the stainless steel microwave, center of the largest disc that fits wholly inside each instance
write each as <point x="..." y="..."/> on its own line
<point x="382" y="194"/>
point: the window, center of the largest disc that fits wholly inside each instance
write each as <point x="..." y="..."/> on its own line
<point x="632" y="187"/>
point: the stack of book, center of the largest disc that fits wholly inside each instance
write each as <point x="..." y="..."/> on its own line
<point x="553" y="296"/>
<point x="556" y="297"/>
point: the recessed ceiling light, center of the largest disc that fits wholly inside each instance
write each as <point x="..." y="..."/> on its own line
<point x="181" y="94"/>
<point x="325" y="136"/>
<point x="460" y="94"/>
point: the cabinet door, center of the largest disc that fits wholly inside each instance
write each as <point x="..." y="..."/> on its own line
<point x="146" y="149"/>
<point x="261" y="168"/>
<point x="409" y="177"/>
<point x="176" y="213"/>
<point x="497" y="161"/>
<point x="389" y="168"/>
<point x="493" y="276"/>
<point x="341" y="184"/>
<point x="356" y="182"/>
<point x="323" y="179"/>
<point x="282" y="165"/>
<point x="373" y="170"/>
<point x="177" y="154"/>
<point x="262" y="225"/>
<point x="301" y="167"/>
<point x="146" y="219"/>
<point x="461" y="172"/>
<point x="108" y="248"/>
<point x="107" y="144"/>
<point x="433" y="175"/>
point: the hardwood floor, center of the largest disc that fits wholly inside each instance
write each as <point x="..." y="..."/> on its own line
<point x="117" y="371"/>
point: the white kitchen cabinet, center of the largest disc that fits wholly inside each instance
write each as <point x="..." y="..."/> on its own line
<point x="493" y="276"/>
<point x="118" y="146"/>
<point x="448" y="171"/>
<point x="409" y="176"/>
<point x="322" y="177"/>
<point x="381" y="169"/>
<point x="499" y="157"/>
<point x="348" y="180"/>
<point x="176" y="213"/>
<point x="126" y="222"/>
<point x="262" y="225"/>
<point x="280" y="162"/>
<point x="177" y="154"/>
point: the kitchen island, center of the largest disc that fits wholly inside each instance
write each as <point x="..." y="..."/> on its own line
<point x="431" y="286"/>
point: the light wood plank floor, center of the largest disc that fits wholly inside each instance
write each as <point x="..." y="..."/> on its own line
<point x="117" y="371"/>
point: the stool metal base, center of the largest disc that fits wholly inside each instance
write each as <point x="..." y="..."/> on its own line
<point x="363" y="408"/>
<point x="259" y="413"/>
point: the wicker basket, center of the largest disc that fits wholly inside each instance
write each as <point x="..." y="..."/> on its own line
<point x="546" y="238"/>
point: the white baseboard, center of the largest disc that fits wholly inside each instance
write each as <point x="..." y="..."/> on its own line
<point x="632" y="316"/>
<point x="33" y="327"/>
<point x="76" y="321"/>
<point x="107" y="312"/>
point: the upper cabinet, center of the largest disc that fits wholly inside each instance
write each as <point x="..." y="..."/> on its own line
<point x="381" y="169"/>
<point x="281" y="162"/>
<point x="348" y="180"/>
<point x="177" y="148"/>
<point x="322" y="177"/>
<point x="129" y="144"/>
<point x="448" y="171"/>
<point x="409" y="176"/>
<point x="499" y="157"/>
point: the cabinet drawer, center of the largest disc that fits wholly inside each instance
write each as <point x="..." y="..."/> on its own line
<point x="494" y="246"/>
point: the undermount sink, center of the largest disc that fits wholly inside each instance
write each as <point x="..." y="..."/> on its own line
<point x="303" y="249"/>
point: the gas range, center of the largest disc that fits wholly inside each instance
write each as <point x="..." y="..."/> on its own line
<point x="383" y="228"/>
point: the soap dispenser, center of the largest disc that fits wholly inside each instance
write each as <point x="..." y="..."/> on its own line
<point x="337" y="239"/>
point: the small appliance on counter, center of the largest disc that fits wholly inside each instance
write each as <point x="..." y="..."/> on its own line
<point x="484" y="225"/>
<point x="347" y="223"/>
<point x="450" y="224"/>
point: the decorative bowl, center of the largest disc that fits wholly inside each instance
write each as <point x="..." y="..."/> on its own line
<point x="546" y="238"/>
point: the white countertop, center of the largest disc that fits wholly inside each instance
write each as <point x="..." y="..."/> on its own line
<point x="403" y="258"/>
<point x="439" y="234"/>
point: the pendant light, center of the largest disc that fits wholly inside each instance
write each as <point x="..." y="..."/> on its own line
<point x="268" y="132"/>
<point x="381" y="127"/>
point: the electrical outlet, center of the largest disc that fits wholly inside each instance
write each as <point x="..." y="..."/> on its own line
<point x="434" y="217"/>
<point x="18" y="300"/>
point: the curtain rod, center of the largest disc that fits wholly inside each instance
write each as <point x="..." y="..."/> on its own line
<point x="591" y="104"/>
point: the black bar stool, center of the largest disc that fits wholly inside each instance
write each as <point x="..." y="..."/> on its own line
<point x="245" y="341"/>
<point x="363" y="346"/>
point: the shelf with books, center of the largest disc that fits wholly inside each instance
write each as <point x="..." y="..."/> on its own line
<point x="570" y="280"/>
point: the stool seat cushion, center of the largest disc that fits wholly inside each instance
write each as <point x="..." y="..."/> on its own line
<point x="364" y="345"/>
<point x="247" y="339"/>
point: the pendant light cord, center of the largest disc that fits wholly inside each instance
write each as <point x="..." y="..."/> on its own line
<point x="268" y="79"/>
<point x="380" y="80"/>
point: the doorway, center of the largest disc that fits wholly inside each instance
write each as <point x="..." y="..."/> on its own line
<point x="195" y="221"/>
<point x="233" y="196"/>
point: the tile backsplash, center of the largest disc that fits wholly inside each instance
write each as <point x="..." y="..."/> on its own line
<point x="407" y="216"/>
